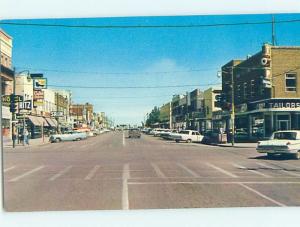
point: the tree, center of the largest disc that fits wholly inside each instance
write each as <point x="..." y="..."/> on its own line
<point x="153" y="116"/>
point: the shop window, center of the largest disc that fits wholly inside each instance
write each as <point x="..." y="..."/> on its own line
<point x="290" y="82"/>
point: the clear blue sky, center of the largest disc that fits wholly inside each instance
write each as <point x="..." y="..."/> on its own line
<point x="137" y="51"/>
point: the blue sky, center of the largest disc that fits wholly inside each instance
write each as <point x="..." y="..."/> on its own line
<point x="89" y="57"/>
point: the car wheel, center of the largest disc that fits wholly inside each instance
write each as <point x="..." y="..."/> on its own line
<point x="177" y="141"/>
<point x="189" y="141"/>
<point x="57" y="140"/>
<point x="297" y="155"/>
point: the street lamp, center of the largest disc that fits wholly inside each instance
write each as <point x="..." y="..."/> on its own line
<point x="24" y="123"/>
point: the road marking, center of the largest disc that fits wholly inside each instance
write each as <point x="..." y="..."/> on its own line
<point x="10" y="168"/>
<point x="92" y="172"/>
<point x="217" y="182"/>
<point x="281" y="170"/>
<point x="124" y="143"/>
<point x="60" y="173"/>
<point x="26" y="174"/>
<point x="188" y="170"/>
<point x="125" y="177"/>
<point x="262" y="195"/>
<point x="157" y="170"/>
<point x="251" y="170"/>
<point x="222" y="170"/>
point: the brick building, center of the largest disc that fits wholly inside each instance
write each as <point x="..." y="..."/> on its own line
<point x="266" y="92"/>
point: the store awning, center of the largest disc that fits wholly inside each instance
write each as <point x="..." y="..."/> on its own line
<point x="35" y="120"/>
<point x="43" y="121"/>
<point x="51" y="122"/>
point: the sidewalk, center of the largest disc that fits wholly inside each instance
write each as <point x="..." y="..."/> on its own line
<point x="7" y="143"/>
<point x="237" y="145"/>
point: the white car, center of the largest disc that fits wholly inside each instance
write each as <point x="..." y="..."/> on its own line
<point x="187" y="136"/>
<point x="281" y="142"/>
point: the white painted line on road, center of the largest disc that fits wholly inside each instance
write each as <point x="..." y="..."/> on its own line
<point x="26" y="174"/>
<point x="281" y="170"/>
<point x="10" y="168"/>
<point x="251" y="170"/>
<point x="65" y="170"/>
<point x="222" y="170"/>
<point x="157" y="170"/>
<point x="92" y="172"/>
<point x="124" y="143"/>
<point x="194" y="174"/>
<point x="125" y="177"/>
<point x="216" y="182"/>
<point x="262" y="195"/>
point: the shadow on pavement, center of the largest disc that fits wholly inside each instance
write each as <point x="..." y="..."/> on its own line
<point x="276" y="157"/>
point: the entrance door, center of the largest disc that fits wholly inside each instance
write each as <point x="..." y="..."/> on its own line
<point x="283" y="125"/>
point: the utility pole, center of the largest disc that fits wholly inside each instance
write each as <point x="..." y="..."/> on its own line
<point x="273" y="31"/>
<point x="14" y="112"/>
<point x="232" y="108"/>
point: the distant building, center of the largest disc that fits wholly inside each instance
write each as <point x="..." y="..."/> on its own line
<point x="6" y="79"/>
<point x="82" y="114"/>
<point x="165" y="116"/>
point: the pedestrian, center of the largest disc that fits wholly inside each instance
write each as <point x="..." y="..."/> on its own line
<point x="26" y="136"/>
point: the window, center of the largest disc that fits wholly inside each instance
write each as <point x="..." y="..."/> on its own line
<point x="245" y="91"/>
<point x="239" y="91"/>
<point x="252" y="88"/>
<point x="291" y="82"/>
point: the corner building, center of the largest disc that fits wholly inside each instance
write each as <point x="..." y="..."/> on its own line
<point x="266" y="92"/>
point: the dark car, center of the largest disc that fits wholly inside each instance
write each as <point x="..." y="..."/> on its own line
<point x="134" y="133"/>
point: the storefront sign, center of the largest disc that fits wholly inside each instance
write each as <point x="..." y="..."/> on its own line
<point x="276" y="104"/>
<point x="38" y="102"/>
<point x="40" y="83"/>
<point x="38" y="94"/>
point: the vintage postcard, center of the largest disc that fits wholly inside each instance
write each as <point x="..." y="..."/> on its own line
<point x="150" y="112"/>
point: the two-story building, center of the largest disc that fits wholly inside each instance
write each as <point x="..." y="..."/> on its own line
<point x="266" y="89"/>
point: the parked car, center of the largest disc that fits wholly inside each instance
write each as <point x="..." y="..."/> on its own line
<point x="210" y="137"/>
<point x="281" y="142"/>
<point x="167" y="134"/>
<point x="68" y="136"/>
<point x="187" y="136"/>
<point x="134" y="133"/>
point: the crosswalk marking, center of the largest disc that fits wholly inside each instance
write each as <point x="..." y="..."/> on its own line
<point x="26" y="174"/>
<point x="60" y="173"/>
<point x="222" y="170"/>
<point x="158" y="171"/>
<point x="92" y="172"/>
<point x="251" y="170"/>
<point x="8" y="169"/>
<point x="281" y="170"/>
<point x="262" y="195"/>
<point x="194" y="174"/>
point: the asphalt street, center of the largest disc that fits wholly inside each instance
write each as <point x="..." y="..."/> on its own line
<point x="111" y="171"/>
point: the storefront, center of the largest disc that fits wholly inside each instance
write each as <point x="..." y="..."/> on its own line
<point x="6" y="122"/>
<point x="37" y="126"/>
<point x="263" y="117"/>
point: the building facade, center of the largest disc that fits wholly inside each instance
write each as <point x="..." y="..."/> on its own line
<point x="266" y="88"/>
<point x="6" y="75"/>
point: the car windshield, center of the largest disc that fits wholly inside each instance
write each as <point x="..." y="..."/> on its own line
<point x="184" y="132"/>
<point x="285" y="135"/>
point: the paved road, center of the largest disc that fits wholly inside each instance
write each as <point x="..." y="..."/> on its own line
<point x="111" y="171"/>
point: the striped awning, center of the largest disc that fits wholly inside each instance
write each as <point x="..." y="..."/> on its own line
<point x="51" y="122"/>
<point x="34" y="120"/>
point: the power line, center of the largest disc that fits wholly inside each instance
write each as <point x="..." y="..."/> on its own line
<point x="116" y="73"/>
<point x="147" y="26"/>
<point x="134" y="87"/>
